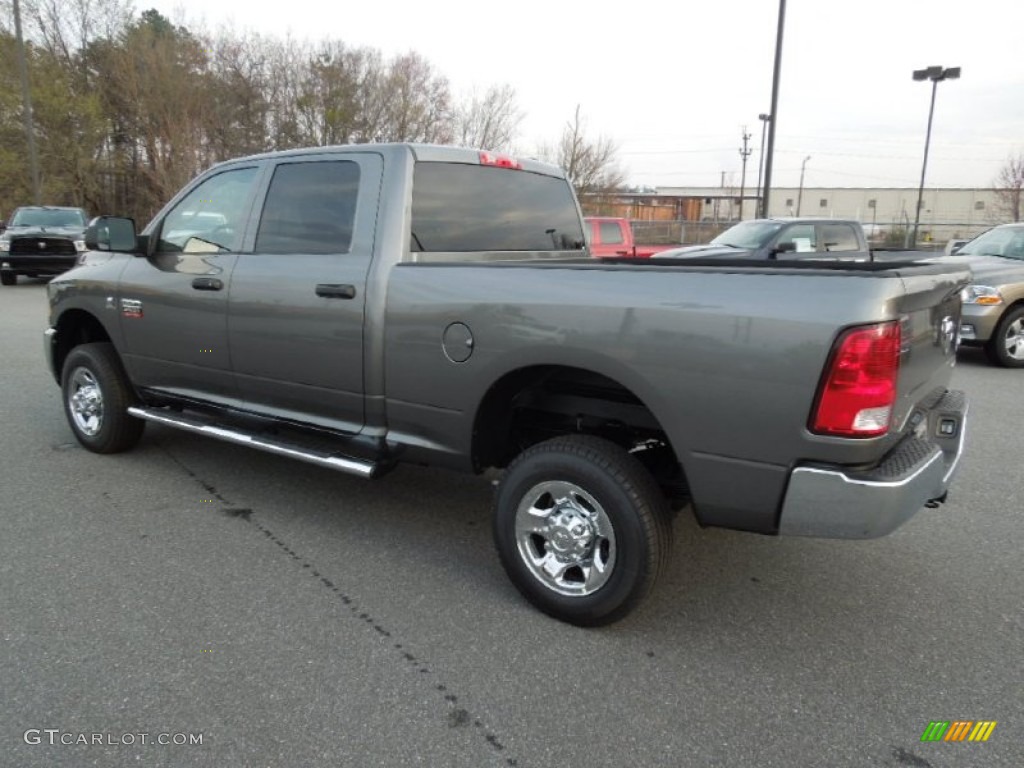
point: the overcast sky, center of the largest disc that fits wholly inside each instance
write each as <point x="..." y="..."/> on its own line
<point x="675" y="83"/>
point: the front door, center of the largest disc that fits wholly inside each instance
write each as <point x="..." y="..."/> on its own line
<point x="297" y="300"/>
<point x="173" y="303"/>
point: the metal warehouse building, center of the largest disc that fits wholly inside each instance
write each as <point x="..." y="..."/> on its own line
<point x="884" y="211"/>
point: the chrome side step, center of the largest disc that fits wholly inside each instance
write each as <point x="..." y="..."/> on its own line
<point x="360" y="467"/>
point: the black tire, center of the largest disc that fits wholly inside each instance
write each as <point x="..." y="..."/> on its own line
<point x="8" y="278"/>
<point x="998" y="348"/>
<point x="96" y="395"/>
<point x="630" y="509"/>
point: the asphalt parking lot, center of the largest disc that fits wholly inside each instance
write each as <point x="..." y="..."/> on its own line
<point x="291" y="616"/>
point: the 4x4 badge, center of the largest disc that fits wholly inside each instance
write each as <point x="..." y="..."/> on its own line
<point x="131" y="308"/>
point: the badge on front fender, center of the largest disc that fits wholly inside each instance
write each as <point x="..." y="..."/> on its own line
<point x="131" y="308"/>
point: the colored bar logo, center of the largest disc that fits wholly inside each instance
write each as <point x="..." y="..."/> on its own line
<point x="958" y="730"/>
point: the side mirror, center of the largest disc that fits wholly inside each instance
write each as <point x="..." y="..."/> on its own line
<point x="789" y="247"/>
<point x="111" y="233"/>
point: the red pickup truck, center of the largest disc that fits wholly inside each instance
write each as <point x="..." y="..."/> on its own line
<point x="614" y="237"/>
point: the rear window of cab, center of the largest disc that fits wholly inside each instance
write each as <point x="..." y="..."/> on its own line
<point x="459" y="208"/>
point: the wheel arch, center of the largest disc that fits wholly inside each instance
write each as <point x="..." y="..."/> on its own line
<point x="993" y="347"/>
<point x="74" y="327"/>
<point x="1017" y="304"/>
<point x="536" y="402"/>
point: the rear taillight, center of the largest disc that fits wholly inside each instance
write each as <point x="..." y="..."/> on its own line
<point x="858" y="391"/>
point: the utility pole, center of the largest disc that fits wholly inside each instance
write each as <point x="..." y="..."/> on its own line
<point x="26" y="108"/>
<point x="744" y="153"/>
<point x="774" y="111"/>
<point x="718" y="200"/>
<point x="800" y="194"/>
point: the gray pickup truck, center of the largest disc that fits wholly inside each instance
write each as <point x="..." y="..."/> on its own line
<point x="359" y="307"/>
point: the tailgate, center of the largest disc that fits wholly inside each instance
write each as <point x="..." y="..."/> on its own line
<point x="929" y="315"/>
<point x="923" y="447"/>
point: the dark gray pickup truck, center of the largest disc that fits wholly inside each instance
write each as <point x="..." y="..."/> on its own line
<point x="789" y="238"/>
<point x="807" y="238"/>
<point x="358" y="307"/>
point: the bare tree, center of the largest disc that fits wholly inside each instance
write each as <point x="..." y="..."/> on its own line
<point x="156" y="82"/>
<point x="329" y="103"/>
<point x="66" y="27"/>
<point x="418" y="102"/>
<point x="1008" y="184"/>
<point x="237" y="78"/>
<point x="490" y="121"/>
<point x="131" y="105"/>
<point x="590" y="165"/>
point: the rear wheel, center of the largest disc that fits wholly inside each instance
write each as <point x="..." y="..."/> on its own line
<point x="1006" y="347"/>
<point x="581" y="528"/>
<point x="97" y="395"/>
<point x="8" y="278"/>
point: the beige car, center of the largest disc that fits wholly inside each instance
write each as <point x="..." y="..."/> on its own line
<point x="993" y="314"/>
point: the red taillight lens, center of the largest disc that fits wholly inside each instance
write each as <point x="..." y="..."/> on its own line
<point x="501" y="161"/>
<point x="859" y="388"/>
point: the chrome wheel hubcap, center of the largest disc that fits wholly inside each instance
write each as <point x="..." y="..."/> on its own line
<point x="85" y="401"/>
<point x="1014" y="339"/>
<point x="565" y="538"/>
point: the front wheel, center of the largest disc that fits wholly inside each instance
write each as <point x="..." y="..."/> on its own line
<point x="8" y="278"/>
<point x="97" y="395"/>
<point x="581" y="528"/>
<point x="1006" y="347"/>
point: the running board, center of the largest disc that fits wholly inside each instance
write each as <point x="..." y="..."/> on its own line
<point x="360" y="467"/>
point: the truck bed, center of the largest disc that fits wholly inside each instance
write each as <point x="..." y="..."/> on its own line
<point x="727" y="356"/>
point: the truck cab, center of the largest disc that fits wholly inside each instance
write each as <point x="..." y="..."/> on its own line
<point x="797" y="238"/>
<point x="610" y="237"/>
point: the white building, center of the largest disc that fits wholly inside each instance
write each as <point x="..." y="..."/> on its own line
<point x="945" y="213"/>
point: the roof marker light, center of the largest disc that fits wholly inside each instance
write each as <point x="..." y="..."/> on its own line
<point x="500" y="161"/>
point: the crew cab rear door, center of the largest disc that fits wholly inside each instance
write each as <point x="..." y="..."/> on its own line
<point x="842" y="240"/>
<point x="832" y="240"/>
<point x="297" y="298"/>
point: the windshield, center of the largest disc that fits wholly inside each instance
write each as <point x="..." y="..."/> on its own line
<point x="749" y="234"/>
<point x="1007" y="242"/>
<point x="47" y="217"/>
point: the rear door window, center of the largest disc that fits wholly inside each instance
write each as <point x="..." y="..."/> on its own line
<point x="458" y="207"/>
<point x="839" y="237"/>
<point x="310" y="208"/>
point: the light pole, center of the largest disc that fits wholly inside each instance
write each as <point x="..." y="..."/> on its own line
<point x="800" y="193"/>
<point x="936" y="75"/>
<point x="760" y="213"/>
